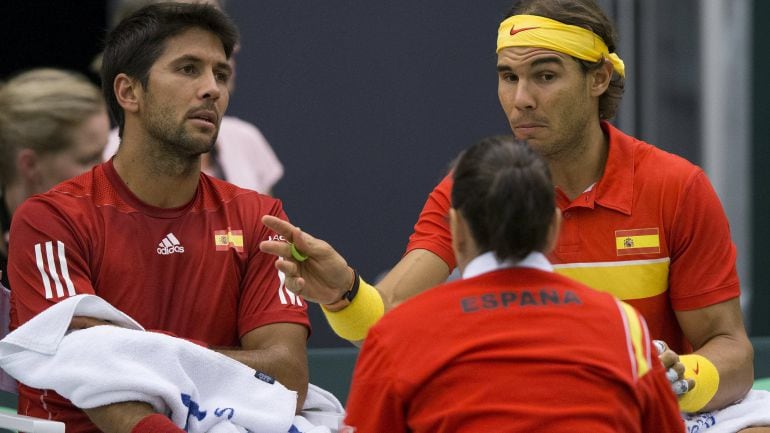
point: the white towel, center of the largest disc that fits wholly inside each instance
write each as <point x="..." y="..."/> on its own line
<point x="322" y="411"/>
<point x="752" y="411"/>
<point x="201" y="390"/>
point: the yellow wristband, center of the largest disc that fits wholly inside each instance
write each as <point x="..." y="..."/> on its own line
<point x="353" y="322"/>
<point x="706" y="376"/>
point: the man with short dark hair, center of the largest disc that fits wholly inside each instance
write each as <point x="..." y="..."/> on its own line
<point x="171" y="247"/>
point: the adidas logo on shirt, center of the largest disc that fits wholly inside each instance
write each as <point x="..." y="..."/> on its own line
<point x="170" y="245"/>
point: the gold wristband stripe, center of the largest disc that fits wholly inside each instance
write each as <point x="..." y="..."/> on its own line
<point x="706" y="378"/>
<point x="353" y="322"/>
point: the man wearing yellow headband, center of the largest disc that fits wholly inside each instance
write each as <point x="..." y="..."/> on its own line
<point x="640" y="223"/>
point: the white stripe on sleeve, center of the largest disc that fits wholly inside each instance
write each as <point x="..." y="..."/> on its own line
<point x="52" y="268"/>
<point x="41" y="269"/>
<point x="64" y="270"/>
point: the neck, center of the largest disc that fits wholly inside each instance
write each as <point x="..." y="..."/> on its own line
<point x="574" y="173"/>
<point x="156" y="178"/>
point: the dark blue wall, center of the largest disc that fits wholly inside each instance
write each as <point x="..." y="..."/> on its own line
<point x="366" y="103"/>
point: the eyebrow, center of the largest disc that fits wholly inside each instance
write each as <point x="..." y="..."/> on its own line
<point x="539" y="62"/>
<point x="190" y="58"/>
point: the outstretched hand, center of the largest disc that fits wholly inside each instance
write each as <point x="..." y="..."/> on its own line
<point x="323" y="277"/>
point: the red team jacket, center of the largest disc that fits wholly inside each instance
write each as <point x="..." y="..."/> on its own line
<point x="512" y="350"/>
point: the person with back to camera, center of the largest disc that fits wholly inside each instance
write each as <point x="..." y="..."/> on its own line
<point x="640" y="223"/>
<point x="175" y="249"/>
<point x="513" y="346"/>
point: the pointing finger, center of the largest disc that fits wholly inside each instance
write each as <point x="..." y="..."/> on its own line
<point x="283" y="228"/>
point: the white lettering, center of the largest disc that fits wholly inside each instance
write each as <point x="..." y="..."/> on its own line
<point x="170" y="250"/>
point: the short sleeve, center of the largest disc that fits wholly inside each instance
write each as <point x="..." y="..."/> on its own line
<point x="48" y="259"/>
<point x="431" y="232"/>
<point x="702" y="253"/>
<point x="264" y="297"/>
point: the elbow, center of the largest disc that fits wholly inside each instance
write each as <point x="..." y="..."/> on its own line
<point x="301" y="388"/>
<point x="295" y="376"/>
<point x="748" y="369"/>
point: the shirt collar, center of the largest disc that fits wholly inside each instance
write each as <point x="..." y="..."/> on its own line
<point x="488" y="262"/>
<point x="615" y="190"/>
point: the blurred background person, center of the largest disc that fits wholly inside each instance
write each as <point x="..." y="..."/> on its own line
<point x="53" y="126"/>
<point x="241" y="155"/>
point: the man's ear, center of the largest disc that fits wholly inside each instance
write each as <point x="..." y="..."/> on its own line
<point x="600" y="78"/>
<point x="127" y="92"/>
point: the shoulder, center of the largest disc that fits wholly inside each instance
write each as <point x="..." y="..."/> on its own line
<point x="217" y="192"/>
<point x="648" y="157"/>
<point x="651" y="166"/>
<point x="417" y="311"/>
<point x="68" y="196"/>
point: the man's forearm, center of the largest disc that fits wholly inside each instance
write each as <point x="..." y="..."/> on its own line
<point x="277" y="362"/>
<point x="119" y="417"/>
<point x="734" y="359"/>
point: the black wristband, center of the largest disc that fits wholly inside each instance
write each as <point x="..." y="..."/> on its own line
<point x="350" y="294"/>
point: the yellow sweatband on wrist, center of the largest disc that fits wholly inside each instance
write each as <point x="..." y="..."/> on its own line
<point x="541" y="32"/>
<point x="706" y="376"/>
<point x="353" y="322"/>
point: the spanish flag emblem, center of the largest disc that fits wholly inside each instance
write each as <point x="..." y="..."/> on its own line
<point x="224" y="239"/>
<point x="637" y="241"/>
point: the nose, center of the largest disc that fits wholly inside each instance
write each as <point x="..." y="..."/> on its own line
<point x="522" y="96"/>
<point x="209" y="88"/>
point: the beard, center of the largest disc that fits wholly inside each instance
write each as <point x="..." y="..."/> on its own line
<point x="175" y="139"/>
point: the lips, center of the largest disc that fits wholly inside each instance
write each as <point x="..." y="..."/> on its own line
<point x="205" y="115"/>
<point x="527" y="126"/>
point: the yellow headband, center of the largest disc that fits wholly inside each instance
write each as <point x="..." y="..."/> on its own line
<point x="537" y="31"/>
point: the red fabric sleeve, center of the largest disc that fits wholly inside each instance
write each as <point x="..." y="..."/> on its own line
<point x="374" y="403"/>
<point x="155" y="423"/>
<point x="48" y="261"/>
<point x="431" y="232"/>
<point x="702" y="253"/>
<point x="264" y="298"/>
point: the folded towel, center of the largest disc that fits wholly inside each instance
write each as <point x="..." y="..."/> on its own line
<point x="321" y="409"/>
<point x="199" y="389"/>
<point x="752" y="411"/>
